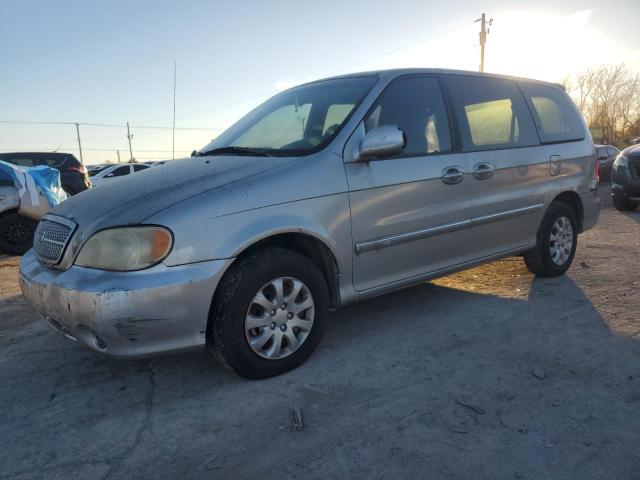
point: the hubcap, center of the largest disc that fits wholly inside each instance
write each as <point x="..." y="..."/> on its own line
<point x="561" y="241"/>
<point x="279" y="318"/>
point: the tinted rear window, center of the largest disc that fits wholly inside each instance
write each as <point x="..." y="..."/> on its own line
<point x="491" y="113"/>
<point x="555" y="115"/>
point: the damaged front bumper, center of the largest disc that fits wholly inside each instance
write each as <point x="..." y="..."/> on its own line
<point x="161" y="309"/>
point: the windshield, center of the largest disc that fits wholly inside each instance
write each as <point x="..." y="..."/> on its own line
<point x="295" y="122"/>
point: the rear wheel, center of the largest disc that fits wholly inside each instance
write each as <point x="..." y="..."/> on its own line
<point x="269" y="313"/>
<point x="623" y="205"/>
<point x="556" y="242"/>
<point x="16" y="233"/>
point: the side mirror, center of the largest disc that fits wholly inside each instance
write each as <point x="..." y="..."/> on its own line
<point x="382" y="142"/>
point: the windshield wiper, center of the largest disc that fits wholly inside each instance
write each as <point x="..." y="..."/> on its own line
<point x="246" y="151"/>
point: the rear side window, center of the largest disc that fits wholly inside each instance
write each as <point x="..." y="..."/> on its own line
<point x="137" y="168"/>
<point x="555" y="115"/>
<point x="54" y="161"/>
<point x="491" y="113"/>
<point x="21" y="161"/>
<point x="416" y="106"/>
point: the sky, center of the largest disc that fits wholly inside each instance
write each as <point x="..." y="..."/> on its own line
<point x="111" y="62"/>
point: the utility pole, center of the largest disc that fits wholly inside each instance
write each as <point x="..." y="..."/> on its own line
<point x="79" y="144"/>
<point x="118" y="152"/>
<point x="173" y="132"/>
<point x="484" y="31"/>
<point x="129" y="136"/>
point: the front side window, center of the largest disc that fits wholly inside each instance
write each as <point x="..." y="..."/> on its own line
<point x="415" y="105"/>
<point x="298" y="121"/>
<point x="557" y="118"/>
<point x="491" y="113"/>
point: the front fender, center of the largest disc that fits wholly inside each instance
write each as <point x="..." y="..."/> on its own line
<point x="324" y="218"/>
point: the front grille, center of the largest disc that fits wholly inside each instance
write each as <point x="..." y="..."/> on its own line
<point x="50" y="241"/>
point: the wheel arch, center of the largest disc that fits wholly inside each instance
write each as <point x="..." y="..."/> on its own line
<point x="573" y="200"/>
<point x="307" y="244"/>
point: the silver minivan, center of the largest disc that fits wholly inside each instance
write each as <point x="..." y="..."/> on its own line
<point x="327" y="194"/>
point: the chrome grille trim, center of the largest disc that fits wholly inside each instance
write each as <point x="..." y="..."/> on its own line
<point x="51" y="238"/>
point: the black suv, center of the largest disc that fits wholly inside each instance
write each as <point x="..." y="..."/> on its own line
<point x="73" y="175"/>
<point x="625" y="179"/>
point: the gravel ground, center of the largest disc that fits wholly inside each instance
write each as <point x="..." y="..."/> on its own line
<point x="489" y="373"/>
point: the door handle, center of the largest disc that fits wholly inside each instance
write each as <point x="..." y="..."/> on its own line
<point x="482" y="171"/>
<point x="452" y="175"/>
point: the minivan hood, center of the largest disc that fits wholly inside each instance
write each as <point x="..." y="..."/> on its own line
<point x="132" y="199"/>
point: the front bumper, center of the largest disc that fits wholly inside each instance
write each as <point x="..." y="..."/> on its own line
<point x="151" y="311"/>
<point x="590" y="209"/>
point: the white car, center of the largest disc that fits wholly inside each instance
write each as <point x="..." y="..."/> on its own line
<point x="104" y="173"/>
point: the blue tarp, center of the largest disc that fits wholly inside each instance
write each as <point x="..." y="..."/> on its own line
<point x="45" y="179"/>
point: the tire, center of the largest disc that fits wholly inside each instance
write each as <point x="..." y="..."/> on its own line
<point x="68" y="190"/>
<point x="623" y="205"/>
<point x="548" y="258"/>
<point x="16" y="233"/>
<point x="234" y="302"/>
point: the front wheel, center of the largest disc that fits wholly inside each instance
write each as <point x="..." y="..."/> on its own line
<point x="556" y="242"/>
<point x="269" y="313"/>
<point x="16" y="233"/>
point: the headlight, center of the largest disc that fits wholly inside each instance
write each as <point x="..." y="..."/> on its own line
<point x="126" y="248"/>
<point x="621" y="161"/>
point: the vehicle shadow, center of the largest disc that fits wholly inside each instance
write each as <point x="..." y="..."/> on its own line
<point x="516" y="375"/>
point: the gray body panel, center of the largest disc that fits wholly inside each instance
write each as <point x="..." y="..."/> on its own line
<point x="388" y="223"/>
<point x="9" y="199"/>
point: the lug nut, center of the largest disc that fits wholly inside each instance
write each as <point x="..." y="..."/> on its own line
<point x="273" y="325"/>
<point x="283" y="327"/>
<point x="289" y="315"/>
<point x="273" y="312"/>
<point x="284" y="306"/>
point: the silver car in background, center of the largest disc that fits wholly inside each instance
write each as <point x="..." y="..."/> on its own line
<point x="327" y="194"/>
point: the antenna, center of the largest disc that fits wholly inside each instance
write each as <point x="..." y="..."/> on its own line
<point x="173" y="130"/>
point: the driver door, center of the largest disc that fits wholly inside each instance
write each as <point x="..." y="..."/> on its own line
<point x="408" y="211"/>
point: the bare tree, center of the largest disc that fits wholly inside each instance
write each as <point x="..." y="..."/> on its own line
<point x="609" y="98"/>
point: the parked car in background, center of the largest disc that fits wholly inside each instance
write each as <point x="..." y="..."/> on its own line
<point x="73" y="175"/>
<point x="106" y="173"/>
<point x="327" y="194"/>
<point x="606" y="155"/>
<point x="625" y="179"/>
<point x="26" y="195"/>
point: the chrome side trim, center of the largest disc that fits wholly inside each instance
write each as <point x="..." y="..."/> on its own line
<point x="506" y="214"/>
<point x="383" y="242"/>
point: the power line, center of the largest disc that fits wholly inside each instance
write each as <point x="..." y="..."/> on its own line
<point x="61" y="147"/>
<point x="110" y="125"/>
<point x="362" y="62"/>
<point x="390" y="52"/>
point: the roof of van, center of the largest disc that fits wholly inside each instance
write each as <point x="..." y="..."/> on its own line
<point x="395" y="72"/>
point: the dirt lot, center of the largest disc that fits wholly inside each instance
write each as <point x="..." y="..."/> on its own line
<point x="486" y="374"/>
